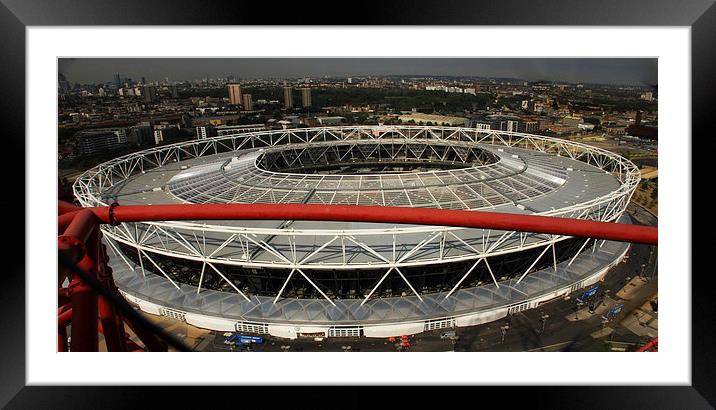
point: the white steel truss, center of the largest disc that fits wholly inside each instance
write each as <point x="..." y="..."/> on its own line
<point x="387" y="248"/>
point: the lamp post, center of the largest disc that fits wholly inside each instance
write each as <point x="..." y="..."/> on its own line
<point x="543" y="318"/>
<point x="503" y="330"/>
<point x="656" y="262"/>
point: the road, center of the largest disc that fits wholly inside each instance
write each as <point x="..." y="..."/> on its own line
<point x="524" y="333"/>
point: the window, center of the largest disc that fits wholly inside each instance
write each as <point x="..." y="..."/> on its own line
<point x="344" y="332"/>
<point x="174" y="314"/>
<point x="439" y="324"/>
<point x="518" y="308"/>
<point x="258" y="328"/>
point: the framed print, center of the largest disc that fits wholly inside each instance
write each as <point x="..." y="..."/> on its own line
<point x="451" y="195"/>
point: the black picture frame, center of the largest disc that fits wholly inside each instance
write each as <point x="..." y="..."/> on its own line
<point x="16" y="15"/>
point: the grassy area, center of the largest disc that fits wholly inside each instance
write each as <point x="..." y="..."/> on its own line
<point x="647" y="196"/>
<point x="395" y="98"/>
<point x="640" y="154"/>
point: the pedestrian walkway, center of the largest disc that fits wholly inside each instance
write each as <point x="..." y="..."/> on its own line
<point x="196" y="338"/>
<point x="631" y="288"/>
<point x="606" y="331"/>
<point x="584" y="313"/>
<point x="643" y="322"/>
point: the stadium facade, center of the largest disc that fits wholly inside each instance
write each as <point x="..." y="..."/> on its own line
<point x="293" y="278"/>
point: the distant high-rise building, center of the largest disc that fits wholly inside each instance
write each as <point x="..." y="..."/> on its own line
<point x="206" y="131"/>
<point x="144" y="80"/>
<point x="101" y="92"/>
<point x="63" y="85"/>
<point x="480" y="125"/>
<point x="287" y="97"/>
<point x="504" y="123"/>
<point x="234" y="129"/>
<point x="306" y="97"/>
<point x="234" y="94"/>
<point x="164" y="132"/>
<point x="141" y="134"/>
<point x="247" y="102"/>
<point x="175" y="92"/>
<point x="150" y="93"/>
<point x="530" y="126"/>
<point x="350" y="80"/>
<point x="99" y="139"/>
<point x="117" y="80"/>
<point x="186" y="121"/>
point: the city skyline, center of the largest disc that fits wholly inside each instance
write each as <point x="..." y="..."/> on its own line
<point x="613" y="71"/>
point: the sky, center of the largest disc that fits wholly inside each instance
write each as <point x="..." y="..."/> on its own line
<point x="623" y="71"/>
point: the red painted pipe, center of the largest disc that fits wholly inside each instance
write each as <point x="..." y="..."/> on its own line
<point x="653" y="343"/>
<point x="112" y="326"/>
<point x="64" y="317"/>
<point x="62" y="339"/>
<point x="64" y="220"/>
<point x="84" y="299"/>
<point x="380" y="214"/>
<point x="64" y="207"/>
<point x="84" y="313"/>
<point x="81" y="225"/>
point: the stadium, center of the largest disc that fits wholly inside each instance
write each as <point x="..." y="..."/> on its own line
<point x="295" y="278"/>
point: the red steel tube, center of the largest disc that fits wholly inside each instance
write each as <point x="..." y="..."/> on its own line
<point x="84" y="316"/>
<point x="84" y="299"/>
<point x="64" y="207"/>
<point x="112" y="326"/>
<point x="62" y="339"/>
<point x="379" y="214"/>
<point x="65" y="317"/>
<point x="82" y="225"/>
<point x="64" y="220"/>
<point x="652" y="343"/>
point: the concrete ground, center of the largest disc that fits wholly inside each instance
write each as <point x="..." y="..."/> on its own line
<point x="195" y="338"/>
